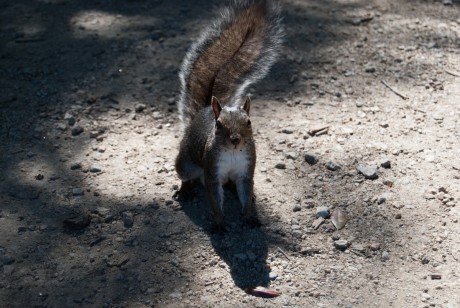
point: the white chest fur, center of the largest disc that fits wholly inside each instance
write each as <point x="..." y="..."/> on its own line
<point x="232" y="164"/>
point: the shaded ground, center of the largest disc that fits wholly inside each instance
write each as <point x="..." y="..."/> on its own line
<point x="111" y="66"/>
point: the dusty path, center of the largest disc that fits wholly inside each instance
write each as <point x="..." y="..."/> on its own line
<point x="86" y="210"/>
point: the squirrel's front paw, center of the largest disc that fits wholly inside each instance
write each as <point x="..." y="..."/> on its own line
<point x="185" y="192"/>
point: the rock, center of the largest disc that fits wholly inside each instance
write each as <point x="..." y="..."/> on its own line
<point x="381" y="199"/>
<point x="341" y="244"/>
<point x="75" y="166"/>
<point x="311" y="159"/>
<point x="7" y="260"/>
<point x="359" y="104"/>
<point x="385" y="163"/>
<point x="280" y="166"/>
<point x="70" y="118"/>
<point x="369" y="68"/>
<point x="309" y="251"/>
<point x="375" y="246"/>
<point x="291" y="155"/>
<point x="128" y="219"/>
<point x="138" y="108"/>
<point x="388" y="182"/>
<point x="333" y="166"/>
<point x="425" y="260"/>
<point x="398" y="216"/>
<point x="77" y="130"/>
<point x="385" y="256"/>
<point x="296" y="208"/>
<point x="61" y="126"/>
<point x="447" y="2"/>
<point x="272" y="275"/>
<point x="425" y="297"/>
<point x="287" y="130"/>
<point x="369" y="172"/>
<point x="77" y="191"/>
<point x="322" y="211"/>
<point x="95" y="168"/>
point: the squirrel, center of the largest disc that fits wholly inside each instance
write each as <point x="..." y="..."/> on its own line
<point x="235" y="51"/>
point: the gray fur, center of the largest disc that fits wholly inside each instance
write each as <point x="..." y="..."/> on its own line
<point x="189" y="105"/>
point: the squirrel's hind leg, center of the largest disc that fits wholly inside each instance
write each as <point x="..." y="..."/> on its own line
<point x="188" y="172"/>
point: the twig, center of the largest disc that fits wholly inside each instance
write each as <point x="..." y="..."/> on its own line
<point x="394" y="91"/>
<point x="452" y="73"/>
<point x="284" y="254"/>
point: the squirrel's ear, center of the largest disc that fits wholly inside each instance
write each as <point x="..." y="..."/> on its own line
<point x="247" y="105"/>
<point x="216" y="107"/>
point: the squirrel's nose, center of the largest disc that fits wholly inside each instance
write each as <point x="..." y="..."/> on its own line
<point x="235" y="139"/>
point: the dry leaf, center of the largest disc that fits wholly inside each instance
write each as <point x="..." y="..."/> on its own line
<point x="339" y="219"/>
<point x="263" y="292"/>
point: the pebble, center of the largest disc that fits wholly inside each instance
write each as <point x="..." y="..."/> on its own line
<point x="425" y="260"/>
<point x="333" y="166"/>
<point x="385" y="163"/>
<point x="138" y="108"/>
<point x="288" y="130"/>
<point x="341" y="244"/>
<point x="359" y="104"/>
<point x="296" y="208"/>
<point x="280" y="166"/>
<point x="369" y="172"/>
<point x="385" y="256"/>
<point x="369" y="68"/>
<point x="61" y="126"/>
<point x="291" y="155"/>
<point x="272" y="275"/>
<point x="95" y="168"/>
<point x="77" y="130"/>
<point x="425" y="297"/>
<point x="128" y="219"/>
<point x="77" y="191"/>
<point x="76" y="165"/>
<point x="322" y="211"/>
<point x="70" y="118"/>
<point x="7" y="260"/>
<point x="311" y="159"/>
<point x="388" y="182"/>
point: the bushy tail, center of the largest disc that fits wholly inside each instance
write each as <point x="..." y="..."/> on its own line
<point x="235" y="51"/>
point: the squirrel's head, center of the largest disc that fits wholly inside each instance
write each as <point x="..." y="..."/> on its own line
<point x="233" y="126"/>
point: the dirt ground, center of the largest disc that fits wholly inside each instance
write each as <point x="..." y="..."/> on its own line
<point x="89" y="133"/>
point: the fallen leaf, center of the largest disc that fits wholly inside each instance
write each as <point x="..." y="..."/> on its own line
<point x="262" y="292"/>
<point x="339" y="219"/>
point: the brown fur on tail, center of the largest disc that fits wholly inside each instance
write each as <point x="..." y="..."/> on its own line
<point x="237" y="50"/>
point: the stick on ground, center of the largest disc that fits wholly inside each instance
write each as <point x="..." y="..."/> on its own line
<point x="394" y="91"/>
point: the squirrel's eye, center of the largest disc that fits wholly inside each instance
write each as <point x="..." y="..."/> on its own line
<point x="218" y="124"/>
<point x="249" y="123"/>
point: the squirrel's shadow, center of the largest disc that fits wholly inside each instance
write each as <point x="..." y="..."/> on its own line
<point x="242" y="246"/>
